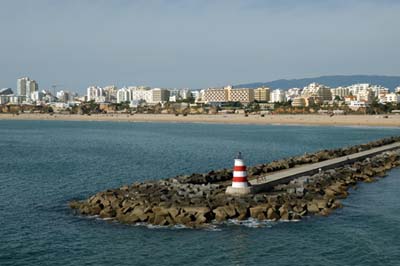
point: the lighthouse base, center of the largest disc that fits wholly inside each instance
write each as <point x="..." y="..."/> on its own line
<point x="238" y="190"/>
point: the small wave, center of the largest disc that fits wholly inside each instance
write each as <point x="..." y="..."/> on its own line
<point x="251" y="223"/>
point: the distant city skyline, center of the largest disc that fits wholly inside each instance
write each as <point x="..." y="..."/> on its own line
<point x="195" y="44"/>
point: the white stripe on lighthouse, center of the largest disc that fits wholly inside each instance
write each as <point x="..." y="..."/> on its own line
<point x="239" y="174"/>
<point x="239" y="184"/>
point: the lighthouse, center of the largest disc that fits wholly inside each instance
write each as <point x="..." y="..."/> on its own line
<point x="240" y="185"/>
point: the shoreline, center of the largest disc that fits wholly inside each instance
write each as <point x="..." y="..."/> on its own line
<point x="299" y="119"/>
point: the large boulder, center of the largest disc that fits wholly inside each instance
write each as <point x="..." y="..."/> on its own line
<point x="107" y="212"/>
<point x="220" y="214"/>
<point x="312" y="207"/>
<point x="272" y="214"/>
<point x="259" y="212"/>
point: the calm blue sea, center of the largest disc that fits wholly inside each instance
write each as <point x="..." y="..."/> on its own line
<point x="44" y="164"/>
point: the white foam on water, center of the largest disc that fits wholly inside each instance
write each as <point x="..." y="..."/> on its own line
<point x="90" y="216"/>
<point x="214" y="226"/>
<point x="251" y="223"/>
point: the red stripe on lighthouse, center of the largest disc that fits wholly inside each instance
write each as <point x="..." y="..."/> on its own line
<point x="239" y="168"/>
<point x="239" y="179"/>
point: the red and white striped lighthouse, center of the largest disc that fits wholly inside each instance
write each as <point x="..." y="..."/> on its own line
<point x="239" y="173"/>
<point x="240" y="186"/>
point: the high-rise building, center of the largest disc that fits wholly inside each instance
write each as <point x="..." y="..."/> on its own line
<point x="21" y="86"/>
<point x="96" y="94"/>
<point x="26" y="86"/>
<point x="278" y="95"/>
<point x="365" y="92"/>
<point x="262" y="94"/>
<point x="340" y="92"/>
<point x="159" y="95"/>
<point x="319" y="91"/>
<point x="123" y="95"/>
<point x="110" y="93"/>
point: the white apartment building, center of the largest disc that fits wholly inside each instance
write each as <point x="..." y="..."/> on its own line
<point x="278" y="95"/>
<point x="299" y="102"/>
<point x="340" y="92"/>
<point x="37" y="96"/>
<point x="140" y="93"/>
<point x="17" y="99"/>
<point x="4" y="99"/>
<point x="25" y="87"/>
<point x="95" y="93"/>
<point x="379" y="91"/>
<point x="317" y="91"/>
<point x="392" y="98"/>
<point x="159" y="95"/>
<point x="356" y="88"/>
<point x="110" y="93"/>
<point x="365" y="96"/>
<point x="64" y="96"/>
<point x="185" y="94"/>
<point x="197" y="95"/>
<point x="179" y="94"/>
<point x="292" y="93"/>
<point x="123" y="95"/>
<point x="364" y="92"/>
<point x="355" y="105"/>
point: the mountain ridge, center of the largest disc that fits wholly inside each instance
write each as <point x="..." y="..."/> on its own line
<point x="333" y="81"/>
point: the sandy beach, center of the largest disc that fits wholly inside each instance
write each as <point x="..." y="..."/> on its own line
<point x="343" y="120"/>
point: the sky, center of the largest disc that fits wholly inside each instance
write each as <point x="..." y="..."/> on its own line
<point x="195" y="44"/>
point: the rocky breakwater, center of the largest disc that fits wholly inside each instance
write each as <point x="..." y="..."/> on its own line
<point x="199" y="199"/>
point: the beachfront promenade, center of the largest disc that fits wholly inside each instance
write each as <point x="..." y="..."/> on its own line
<point x="267" y="182"/>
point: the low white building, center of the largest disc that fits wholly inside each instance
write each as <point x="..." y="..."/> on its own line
<point x="37" y="96"/>
<point x="65" y="96"/>
<point x="355" y="105"/>
<point x="392" y="98"/>
<point x="4" y="99"/>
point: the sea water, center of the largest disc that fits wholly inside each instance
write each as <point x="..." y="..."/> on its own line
<point x="45" y="164"/>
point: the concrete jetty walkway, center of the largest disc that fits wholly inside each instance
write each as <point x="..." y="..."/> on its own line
<point x="265" y="183"/>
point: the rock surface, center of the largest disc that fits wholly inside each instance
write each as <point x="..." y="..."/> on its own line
<point x="196" y="200"/>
